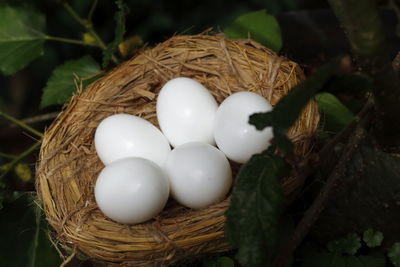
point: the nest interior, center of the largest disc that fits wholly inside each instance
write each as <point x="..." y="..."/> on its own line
<point x="68" y="165"/>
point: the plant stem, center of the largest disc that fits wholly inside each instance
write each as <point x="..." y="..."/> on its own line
<point x="313" y="212"/>
<point x="92" y="8"/>
<point x="21" y="124"/>
<point x="70" y="41"/>
<point x="87" y="24"/>
<point x="364" y="30"/>
<point x="20" y="157"/>
<point x="7" y="156"/>
<point x="40" y="118"/>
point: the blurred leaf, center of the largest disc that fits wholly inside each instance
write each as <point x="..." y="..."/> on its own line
<point x="119" y="33"/>
<point x="394" y="254"/>
<point x="289" y="107"/>
<point x="336" y="114"/>
<point x="128" y="46"/>
<point x="345" y="245"/>
<point x="263" y="28"/>
<point x="220" y="262"/>
<point x="24" y="240"/>
<point x="61" y="85"/>
<point x="373" y="238"/>
<point x="88" y="38"/>
<point x="21" y="37"/>
<point x="257" y="204"/>
<point x="333" y="260"/>
<point x="23" y="172"/>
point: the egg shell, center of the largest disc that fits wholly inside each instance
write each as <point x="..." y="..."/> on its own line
<point x="233" y="134"/>
<point x="124" y="135"/>
<point x="131" y="190"/>
<point x="185" y="112"/>
<point x="199" y="174"/>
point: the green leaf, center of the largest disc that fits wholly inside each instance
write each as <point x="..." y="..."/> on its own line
<point x="257" y="204"/>
<point x="119" y="32"/>
<point x="21" y="37"/>
<point x="288" y="109"/>
<point x="334" y="260"/>
<point x="336" y="114"/>
<point x="394" y="254"/>
<point x="61" y="85"/>
<point x="346" y="245"/>
<point x="262" y="27"/>
<point x="23" y="234"/>
<point x="373" y="238"/>
<point x="220" y="262"/>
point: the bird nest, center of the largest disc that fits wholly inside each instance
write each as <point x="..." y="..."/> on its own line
<point x="68" y="164"/>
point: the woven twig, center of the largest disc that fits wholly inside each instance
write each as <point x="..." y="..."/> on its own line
<point x="68" y="164"/>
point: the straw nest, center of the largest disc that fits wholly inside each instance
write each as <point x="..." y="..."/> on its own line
<point x="68" y="165"/>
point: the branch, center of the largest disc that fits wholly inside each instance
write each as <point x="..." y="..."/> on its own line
<point x="40" y="118"/>
<point x="364" y="30"/>
<point x="313" y="212"/>
<point x="67" y="40"/>
<point x="19" y="157"/>
<point x="86" y="24"/>
<point x="311" y="164"/>
<point x="21" y="124"/>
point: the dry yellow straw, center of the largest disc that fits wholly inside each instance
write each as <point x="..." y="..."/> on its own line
<point x="68" y="165"/>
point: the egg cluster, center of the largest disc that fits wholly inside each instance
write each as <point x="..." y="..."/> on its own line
<point x="141" y="171"/>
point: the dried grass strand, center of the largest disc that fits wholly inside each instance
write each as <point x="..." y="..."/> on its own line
<point x="68" y="164"/>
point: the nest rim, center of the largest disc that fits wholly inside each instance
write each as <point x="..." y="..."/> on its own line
<point x="177" y="233"/>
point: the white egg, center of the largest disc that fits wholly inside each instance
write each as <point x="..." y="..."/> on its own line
<point x="199" y="174"/>
<point x="123" y="135"/>
<point x="233" y="134"/>
<point x="131" y="190"/>
<point x="185" y="112"/>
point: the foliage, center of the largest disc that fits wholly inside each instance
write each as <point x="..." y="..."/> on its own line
<point x="345" y="252"/>
<point x="287" y="110"/>
<point x="258" y="25"/>
<point x="334" y="260"/>
<point x="24" y="239"/>
<point x="345" y="245"/>
<point x="21" y="37"/>
<point x="66" y="78"/>
<point x="394" y="254"/>
<point x="120" y="30"/>
<point x="257" y="204"/>
<point x="373" y="238"/>
<point x="335" y="114"/>
<point x="23" y="172"/>
<point x="223" y="261"/>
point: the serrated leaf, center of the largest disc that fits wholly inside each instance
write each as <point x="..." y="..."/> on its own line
<point x="262" y="27"/>
<point x="346" y="245"/>
<point x="373" y="238"/>
<point x="61" y="85"/>
<point x="119" y="32"/>
<point x="257" y="204"/>
<point x="394" y="254"/>
<point x="334" y="260"/>
<point x="336" y="115"/>
<point x="21" y="37"/>
<point x="23" y="234"/>
<point x="289" y="107"/>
